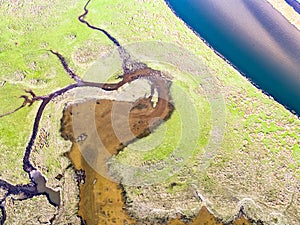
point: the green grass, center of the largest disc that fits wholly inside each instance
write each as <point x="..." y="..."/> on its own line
<point x="250" y="115"/>
<point x="181" y="130"/>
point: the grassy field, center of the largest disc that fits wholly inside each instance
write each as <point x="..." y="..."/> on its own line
<point x="256" y="164"/>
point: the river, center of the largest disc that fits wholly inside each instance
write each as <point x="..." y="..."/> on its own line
<point x="255" y="38"/>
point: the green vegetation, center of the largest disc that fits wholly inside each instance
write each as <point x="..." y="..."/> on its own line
<point x="171" y="134"/>
<point x="258" y="158"/>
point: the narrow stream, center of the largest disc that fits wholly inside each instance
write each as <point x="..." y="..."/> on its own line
<point x="102" y="199"/>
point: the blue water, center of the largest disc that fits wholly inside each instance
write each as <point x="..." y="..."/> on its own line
<point x="295" y="4"/>
<point x="255" y="38"/>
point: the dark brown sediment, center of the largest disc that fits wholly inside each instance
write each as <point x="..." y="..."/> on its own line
<point x="37" y="185"/>
<point x="205" y="217"/>
<point x="101" y="198"/>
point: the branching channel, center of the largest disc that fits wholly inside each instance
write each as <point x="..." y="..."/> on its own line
<point x="132" y="70"/>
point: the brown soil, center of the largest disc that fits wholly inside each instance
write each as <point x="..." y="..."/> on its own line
<point x="204" y="217"/>
<point x="117" y="124"/>
<point x="101" y="199"/>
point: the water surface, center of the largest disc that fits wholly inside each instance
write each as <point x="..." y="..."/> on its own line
<point x="255" y="38"/>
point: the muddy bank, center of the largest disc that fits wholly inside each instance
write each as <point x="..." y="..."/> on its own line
<point x="117" y="124"/>
<point x="102" y="199"/>
<point x="100" y="129"/>
<point x="100" y="196"/>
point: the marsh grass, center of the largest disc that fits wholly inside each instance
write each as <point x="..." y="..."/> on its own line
<point x="262" y="138"/>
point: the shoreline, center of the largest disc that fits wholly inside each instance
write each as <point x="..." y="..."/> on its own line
<point x="56" y="164"/>
<point x="295" y="4"/>
<point x="284" y="15"/>
<point x="287" y="11"/>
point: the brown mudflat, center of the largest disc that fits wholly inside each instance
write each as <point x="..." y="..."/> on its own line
<point x="101" y="199"/>
<point x="204" y="217"/>
<point x="99" y="129"/>
<point x="117" y="124"/>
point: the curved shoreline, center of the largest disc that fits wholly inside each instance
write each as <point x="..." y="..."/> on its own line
<point x="224" y="58"/>
<point x="81" y="83"/>
<point x="293" y="78"/>
<point x="133" y="70"/>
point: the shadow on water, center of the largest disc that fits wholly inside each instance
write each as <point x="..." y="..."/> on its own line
<point x="255" y="38"/>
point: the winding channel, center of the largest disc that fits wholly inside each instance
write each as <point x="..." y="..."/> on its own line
<point x="132" y="70"/>
<point x="143" y="117"/>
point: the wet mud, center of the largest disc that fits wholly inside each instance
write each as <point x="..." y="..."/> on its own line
<point x="205" y="217"/>
<point x="117" y="123"/>
<point x="102" y="199"/>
